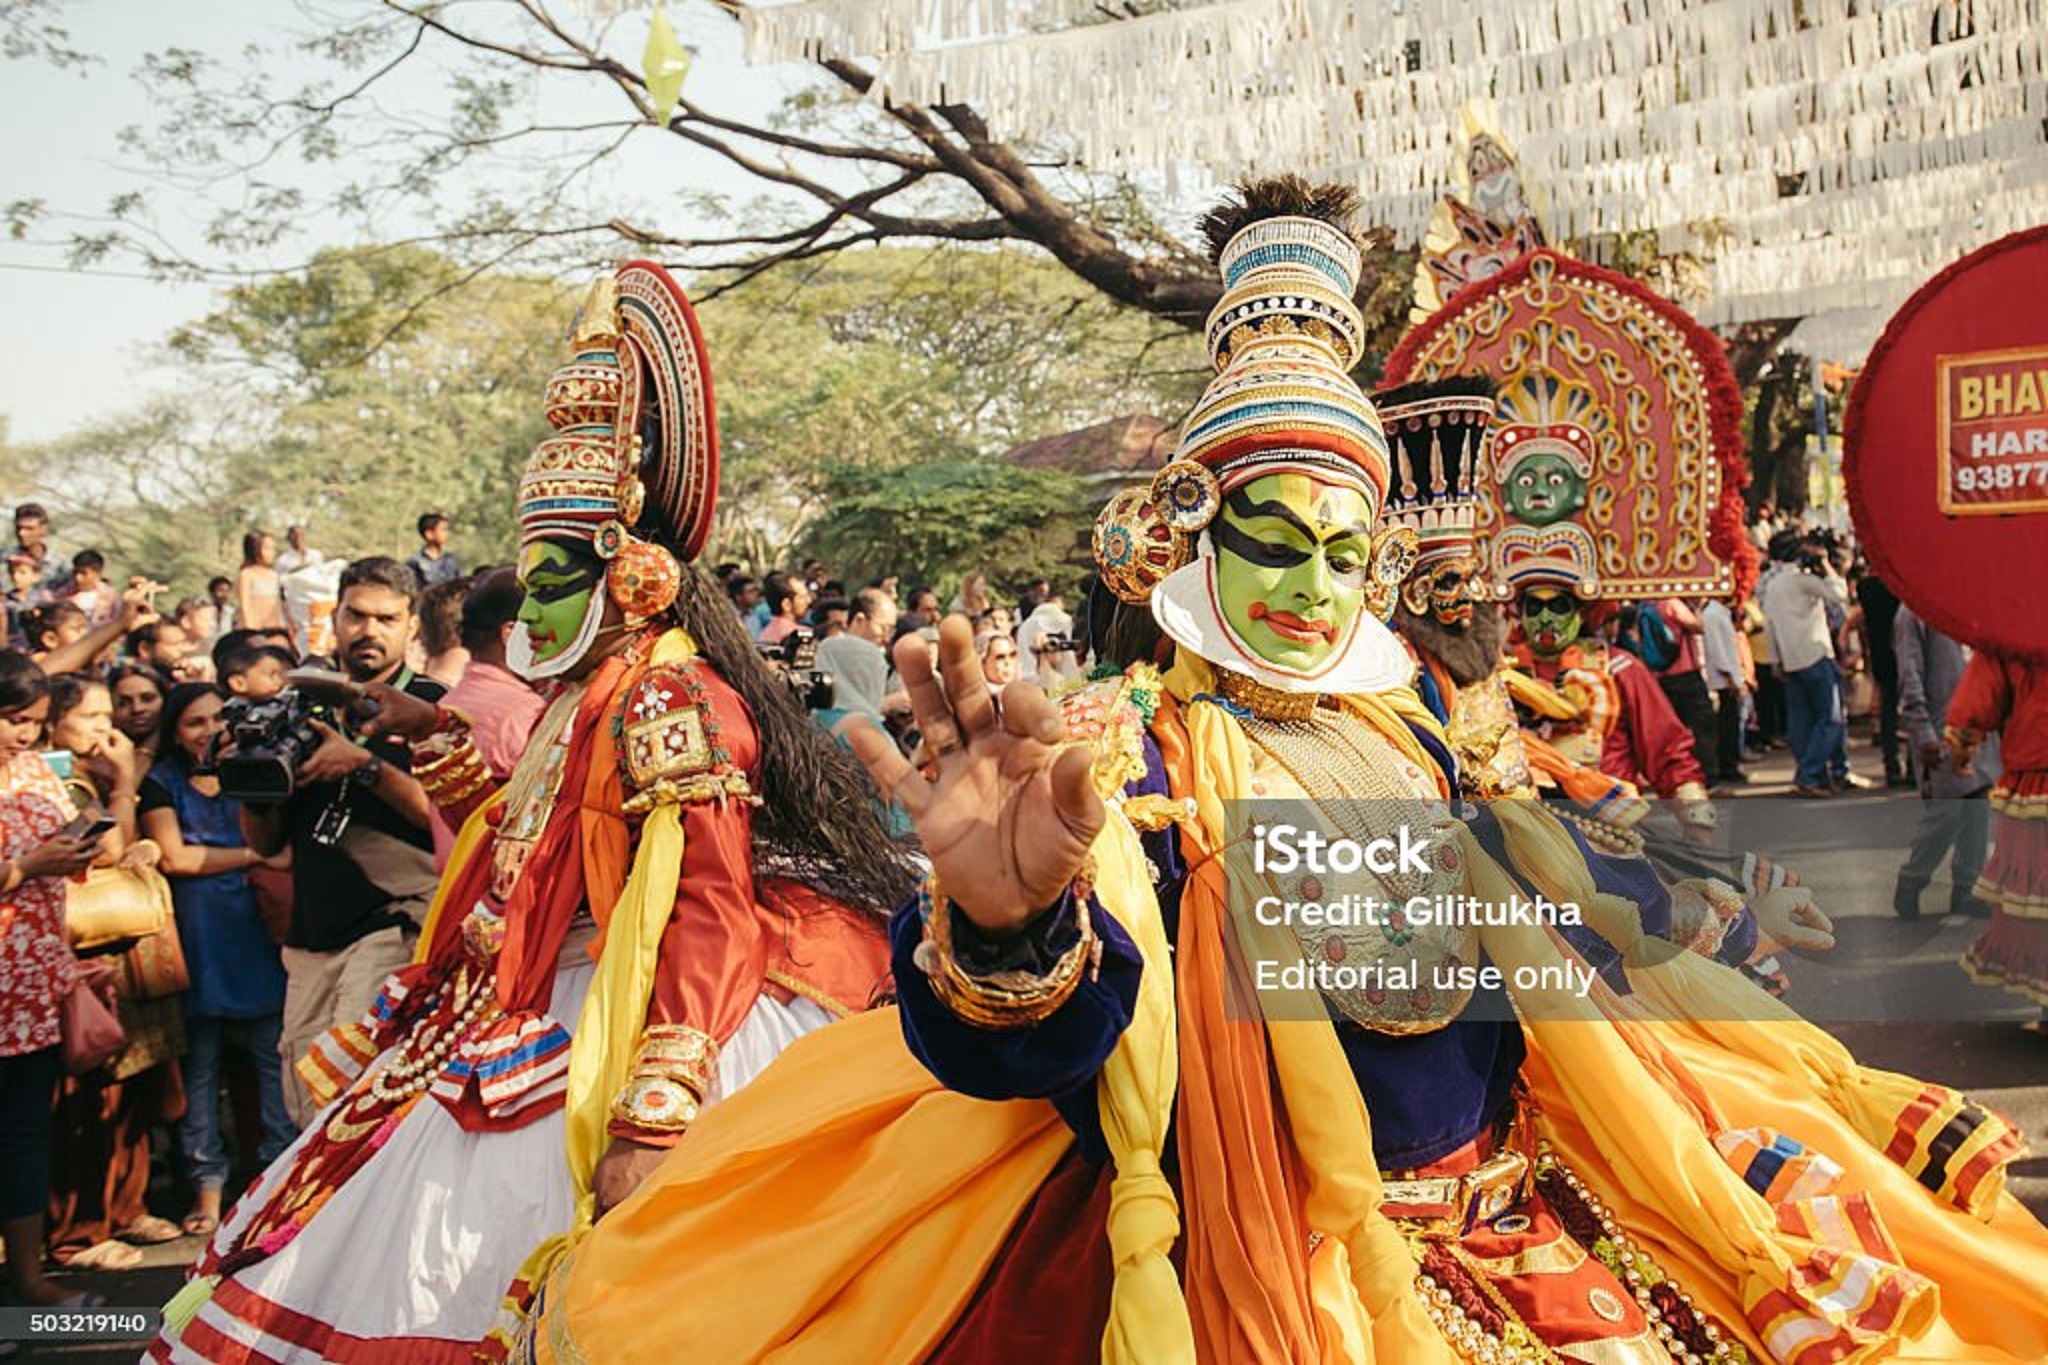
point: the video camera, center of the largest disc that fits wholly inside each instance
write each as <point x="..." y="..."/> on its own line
<point x="266" y="741"/>
<point x="795" y="657"/>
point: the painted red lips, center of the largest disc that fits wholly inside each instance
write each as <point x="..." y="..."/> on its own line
<point x="1288" y="626"/>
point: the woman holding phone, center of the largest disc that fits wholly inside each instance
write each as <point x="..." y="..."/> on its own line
<point x="37" y="969"/>
<point x="99" y="1209"/>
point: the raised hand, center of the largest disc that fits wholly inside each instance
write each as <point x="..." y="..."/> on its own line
<point x="1005" y="812"/>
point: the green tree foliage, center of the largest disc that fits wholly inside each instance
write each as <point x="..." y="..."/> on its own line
<point x="896" y="361"/>
<point x="321" y="397"/>
<point x="932" y="522"/>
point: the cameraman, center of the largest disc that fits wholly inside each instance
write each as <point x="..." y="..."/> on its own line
<point x="357" y="825"/>
<point x="1796" y="600"/>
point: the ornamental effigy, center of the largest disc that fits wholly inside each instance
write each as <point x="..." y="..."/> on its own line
<point x="1616" y="460"/>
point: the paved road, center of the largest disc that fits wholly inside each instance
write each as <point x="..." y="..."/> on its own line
<point x="1955" y="1032"/>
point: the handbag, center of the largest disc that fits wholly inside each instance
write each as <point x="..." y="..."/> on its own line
<point x="155" y="967"/>
<point x="115" y="903"/>
<point x="91" y="1030"/>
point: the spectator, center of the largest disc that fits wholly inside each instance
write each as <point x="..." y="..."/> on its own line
<point x="873" y="618"/>
<point x="100" y="1183"/>
<point x="996" y="620"/>
<point x="1045" y="644"/>
<point x="1768" y="709"/>
<point x="37" y="970"/>
<point x="501" y="707"/>
<point x="238" y="982"/>
<point x="1035" y="592"/>
<point x="829" y="616"/>
<point x="998" y="655"/>
<point x="32" y="539"/>
<point x="297" y="554"/>
<point x="222" y="593"/>
<point x="1879" y="608"/>
<point x="972" y="601"/>
<point x="925" y="603"/>
<point x="788" y="600"/>
<point x="24" y="594"/>
<point x="63" y="642"/>
<point x="745" y="593"/>
<point x="441" y="631"/>
<point x="432" y="563"/>
<point x="356" y="900"/>
<point x="1956" y="816"/>
<point x="1796" y="599"/>
<point x="54" y="626"/>
<point x="200" y="620"/>
<point x="1683" y="679"/>
<point x="89" y="591"/>
<point x="860" y="676"/>
<point x="163" y="645"/>
<point x="259" y="595"/>
<point x="245" y="668"/>
<point x="138" y="692"/>
<point x="1722" y="671"/>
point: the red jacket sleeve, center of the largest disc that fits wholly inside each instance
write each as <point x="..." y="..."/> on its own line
<point x="695" y="746"/>
<point x="1650" y="746"/>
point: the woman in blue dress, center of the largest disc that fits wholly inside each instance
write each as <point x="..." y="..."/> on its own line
<point x="237" y="977"/>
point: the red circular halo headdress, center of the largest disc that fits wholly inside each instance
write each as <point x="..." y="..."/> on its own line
<point x="1955" y="391"/>
<point x="1584" y="354"/>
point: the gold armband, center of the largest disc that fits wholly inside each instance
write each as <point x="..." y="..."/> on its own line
<point x="1002" y="1000"/>
<point x="446" y="763"/>
<point x="672" y="1072"/>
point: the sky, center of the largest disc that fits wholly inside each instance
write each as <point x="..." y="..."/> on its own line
<point x="77" y="346"/>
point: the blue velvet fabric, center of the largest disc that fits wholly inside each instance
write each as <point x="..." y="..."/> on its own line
<point x="1059" y="1058"/>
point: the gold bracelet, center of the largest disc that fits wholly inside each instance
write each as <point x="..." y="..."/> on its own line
<point x="455" y="774"/>
<point x="1002" y="1000"/>
<point x="672" y="1073"/>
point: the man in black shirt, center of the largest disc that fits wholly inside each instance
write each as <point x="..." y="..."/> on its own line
<point x="357" y="826"/>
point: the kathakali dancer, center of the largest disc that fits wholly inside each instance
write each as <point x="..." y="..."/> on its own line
<point x="680" y="878"/>
<point x="1083" y="1132"/>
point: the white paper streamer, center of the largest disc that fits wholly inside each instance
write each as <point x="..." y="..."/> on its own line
<point x="1824" y="154"/>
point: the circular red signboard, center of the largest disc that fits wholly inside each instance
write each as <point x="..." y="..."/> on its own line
<point x="1946" y="449"/>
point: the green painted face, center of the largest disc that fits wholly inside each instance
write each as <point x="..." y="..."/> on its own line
<point x="558" y="581"/>
<point x="1544" y="488"/>
<point x="1291" y="566"/>
<point x="1550" y="621"/>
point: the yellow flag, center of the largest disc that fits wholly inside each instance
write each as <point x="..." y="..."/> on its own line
<point x="665" y="62"/>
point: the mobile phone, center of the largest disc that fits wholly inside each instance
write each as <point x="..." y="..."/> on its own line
<point x="61" y="763"/>
<point x="88" y="825"/>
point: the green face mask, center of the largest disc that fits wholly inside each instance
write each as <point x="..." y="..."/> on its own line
<point x="1550" y="621"/>
<point x="1292" y="565"/>
<point x="559" y="582"/>
<point x="1543" y="489"/>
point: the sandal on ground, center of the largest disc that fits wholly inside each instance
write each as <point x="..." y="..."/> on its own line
<point x="108" y="1255"/>
<point x="199" y="1224"/>
<point x="149" y="1231"/>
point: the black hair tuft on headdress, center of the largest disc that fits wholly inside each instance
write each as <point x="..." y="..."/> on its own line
<point x="1280" y="196"/>
<point x="1451" y="386"/>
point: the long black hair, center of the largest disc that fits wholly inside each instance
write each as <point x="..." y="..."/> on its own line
<point x="22" y="681"/>
<point x="820" y="819"/>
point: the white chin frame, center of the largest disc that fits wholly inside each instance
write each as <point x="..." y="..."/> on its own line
<point x="519" y="649"/>
<point x="1188" y="608"/>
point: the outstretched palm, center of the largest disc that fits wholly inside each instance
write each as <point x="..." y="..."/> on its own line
<point x="1006" y="814"/>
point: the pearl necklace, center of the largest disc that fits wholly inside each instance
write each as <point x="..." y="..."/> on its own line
<point x="419" y="1059"/>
